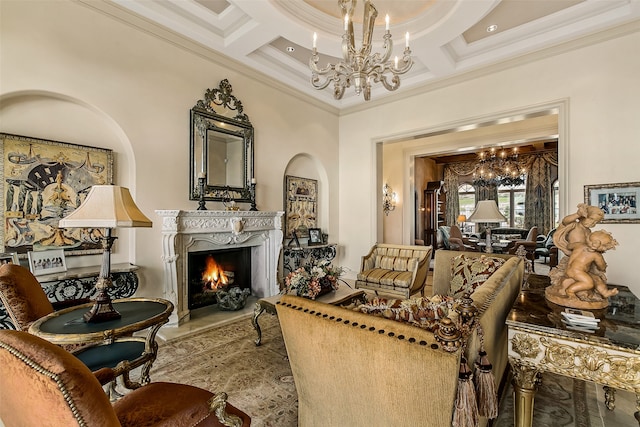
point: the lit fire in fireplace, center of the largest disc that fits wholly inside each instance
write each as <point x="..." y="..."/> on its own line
<point x="214" y="277"/>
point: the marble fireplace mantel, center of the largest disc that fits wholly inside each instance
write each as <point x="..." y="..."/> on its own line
<point x="193" y="231"/>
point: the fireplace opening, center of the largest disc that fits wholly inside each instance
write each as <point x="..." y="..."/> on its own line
<point x="210" y="271"/>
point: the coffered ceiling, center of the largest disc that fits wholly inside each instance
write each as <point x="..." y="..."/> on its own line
<point x="447" y="37"/>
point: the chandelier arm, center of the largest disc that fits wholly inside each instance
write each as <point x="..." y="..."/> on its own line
<point x="395" y="82"/>
<point x="313" y="65"/>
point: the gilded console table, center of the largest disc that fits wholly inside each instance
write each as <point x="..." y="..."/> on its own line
<point x="540" y="342"/>
<point x="77" y="283"/>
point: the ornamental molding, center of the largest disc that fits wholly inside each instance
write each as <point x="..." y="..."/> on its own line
<point x="525" y="346"/>
<point x="190" y="222"/>
<point x="602" y="364"/>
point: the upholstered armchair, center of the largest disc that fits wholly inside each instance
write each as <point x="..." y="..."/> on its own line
<point x="547" y="248"/>
<point x="457" y="242"/>
<point x="530" y="244"/>
<point x="25" y="302"/>
<point x="44" y="385"/>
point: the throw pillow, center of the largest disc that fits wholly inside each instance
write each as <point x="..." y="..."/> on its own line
<point x="468" y="273"/>
<point x="422" y="312"/>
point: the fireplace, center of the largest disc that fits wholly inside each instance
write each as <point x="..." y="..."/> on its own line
<point x="209" y="271"/>
<point x="185" y="234"/>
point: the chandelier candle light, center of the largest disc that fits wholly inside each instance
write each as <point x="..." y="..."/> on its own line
<point x="360" y="68"/>
<point x="106" y="206"/>
<point x="499" y="167"/>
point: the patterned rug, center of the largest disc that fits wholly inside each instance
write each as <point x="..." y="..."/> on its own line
<point x="258" y="380"/>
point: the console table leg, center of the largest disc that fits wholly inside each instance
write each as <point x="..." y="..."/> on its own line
<point x="637" y="413"/>
<point x="254" y="321"/>
<point x="525" y="385"/>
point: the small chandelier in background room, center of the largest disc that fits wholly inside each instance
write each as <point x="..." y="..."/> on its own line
<point x="499" y="167"/>
<point x="360" y="68"/>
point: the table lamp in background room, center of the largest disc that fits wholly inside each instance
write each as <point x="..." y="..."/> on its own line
<point x="106" y="206"/>
<point x="487" y="212"/>
<point x="461" y="220"/>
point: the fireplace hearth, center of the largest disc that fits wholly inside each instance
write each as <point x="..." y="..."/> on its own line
<point x="199" y="232"/>
<point x="210" y="271"/>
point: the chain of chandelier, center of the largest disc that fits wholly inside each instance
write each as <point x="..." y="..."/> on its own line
<point x="360" y="68"/>
<point x="499" y="167"/>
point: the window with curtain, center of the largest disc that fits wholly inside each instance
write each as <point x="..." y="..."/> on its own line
<point x="467" y="203"/>
<point x="511" y="204"/>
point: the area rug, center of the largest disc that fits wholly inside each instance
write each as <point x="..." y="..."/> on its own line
<point x="258" y="380"/>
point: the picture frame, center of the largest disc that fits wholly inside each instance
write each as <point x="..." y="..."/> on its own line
<point x="9" y="258"/>
<point x="42" y="182"/>
<point x="47" y="262"/>
<point x="301" y="198"/>
<point x="315" y="237"/>
<point x="294" y="240"/>
<point x="619" y="202"/>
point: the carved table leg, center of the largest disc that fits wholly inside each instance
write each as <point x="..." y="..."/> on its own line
<point x="637" y="413"/>
<point x="609" y="397"/>
<point x="254" y="321"/>
<point x="525" y="385"/>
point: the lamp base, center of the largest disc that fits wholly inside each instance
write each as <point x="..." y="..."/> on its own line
<point x="102" y="309"/>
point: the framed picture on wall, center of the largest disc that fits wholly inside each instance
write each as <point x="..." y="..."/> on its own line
<point x="301" y="198"/>
<point x="619" y="202"/>
<point x="42" y="182"/>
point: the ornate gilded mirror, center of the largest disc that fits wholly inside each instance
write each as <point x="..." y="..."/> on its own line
<point x="221" y="149"/>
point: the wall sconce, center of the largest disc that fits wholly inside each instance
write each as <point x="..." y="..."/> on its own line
<point x="389" y="199"/>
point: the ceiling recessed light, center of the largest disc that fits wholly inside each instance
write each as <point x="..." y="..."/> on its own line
<point x="492" y="28"/>
<point x="290" y="49"/>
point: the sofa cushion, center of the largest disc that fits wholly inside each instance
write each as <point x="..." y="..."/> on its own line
<point x="468" y="273"/>
<point x="422" y="312"/>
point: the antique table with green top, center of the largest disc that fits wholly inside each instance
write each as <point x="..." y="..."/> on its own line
<point x="540" y="342"/>
<point x="67" y="326"/>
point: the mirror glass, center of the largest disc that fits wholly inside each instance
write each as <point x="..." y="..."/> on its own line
<point x="221" y="148"/>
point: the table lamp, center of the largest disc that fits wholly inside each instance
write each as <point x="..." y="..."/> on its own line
<point x="106" y="206"/>
<point x="487" y="212"/>
<point x="461" y="220"/>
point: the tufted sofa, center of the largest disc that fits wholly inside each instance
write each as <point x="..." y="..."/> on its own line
<point x="399" y="270"/>
<point x="355" y="369"/>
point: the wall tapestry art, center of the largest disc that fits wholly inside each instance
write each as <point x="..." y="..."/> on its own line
<point x="301" y="198"/>
<point x="44" y="181"/>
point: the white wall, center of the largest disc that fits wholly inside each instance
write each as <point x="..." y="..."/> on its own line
<point x="70" y="73"/>
<point x="601" y="88"/>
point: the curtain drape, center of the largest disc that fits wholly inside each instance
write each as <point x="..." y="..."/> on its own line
<point x="452" y="173"/>
<point x="538" y="194"/>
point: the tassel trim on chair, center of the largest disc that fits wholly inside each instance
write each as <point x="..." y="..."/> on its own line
<point x="465" y="412"/>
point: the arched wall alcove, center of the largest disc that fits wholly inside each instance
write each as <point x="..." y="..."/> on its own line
<point x="307" y="166"/>
<point x="59" y="117"/>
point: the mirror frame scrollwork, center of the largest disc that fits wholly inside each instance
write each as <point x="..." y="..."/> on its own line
<point x="207" y="116"/>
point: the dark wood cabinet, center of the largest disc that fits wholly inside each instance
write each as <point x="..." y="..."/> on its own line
<point x="434" y="203"/>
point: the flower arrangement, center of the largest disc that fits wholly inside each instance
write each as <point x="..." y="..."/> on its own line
<point x="313" y="279"/>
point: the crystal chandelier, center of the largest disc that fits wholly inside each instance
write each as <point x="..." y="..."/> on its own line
<point x="498" y="168"/>
<point x="360" y="68"/>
